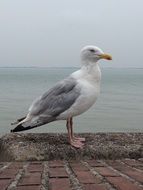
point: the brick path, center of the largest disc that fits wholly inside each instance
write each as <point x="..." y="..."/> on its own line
<point x="124" y="174"/>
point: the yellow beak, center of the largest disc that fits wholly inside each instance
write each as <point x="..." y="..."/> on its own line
<point x="106" y="56"/>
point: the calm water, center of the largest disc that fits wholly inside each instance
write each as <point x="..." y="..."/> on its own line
<point x="119" y="107"/>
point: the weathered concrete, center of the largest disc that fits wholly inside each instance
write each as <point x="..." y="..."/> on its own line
<point x="28" y="147"/>
<point x="125" y="174"/>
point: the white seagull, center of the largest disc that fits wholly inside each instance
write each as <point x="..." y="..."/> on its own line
<point x="69" y="97"/>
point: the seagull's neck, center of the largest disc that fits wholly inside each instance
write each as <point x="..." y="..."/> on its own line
<point x="89" y="71"/>
<point x="91" y="68"/>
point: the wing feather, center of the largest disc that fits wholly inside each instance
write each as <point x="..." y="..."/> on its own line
<point x="57" y="99"/>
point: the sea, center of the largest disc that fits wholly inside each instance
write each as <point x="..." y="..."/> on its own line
<point x="119" y="107"/>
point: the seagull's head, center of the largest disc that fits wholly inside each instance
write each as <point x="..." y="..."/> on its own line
<point x="93" y="54"/>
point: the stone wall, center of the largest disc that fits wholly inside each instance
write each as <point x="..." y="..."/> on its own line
<point x="42" y="146"/>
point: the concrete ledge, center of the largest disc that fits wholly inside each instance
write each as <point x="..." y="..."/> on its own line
<point x="33" y="146"/>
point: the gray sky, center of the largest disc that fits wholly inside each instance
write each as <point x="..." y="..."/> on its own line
<point x="52" y="32"/>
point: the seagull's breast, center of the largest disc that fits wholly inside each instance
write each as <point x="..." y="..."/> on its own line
<point x="89" y="92"/>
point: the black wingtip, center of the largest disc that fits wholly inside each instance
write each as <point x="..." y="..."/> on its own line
<point x="21" y="128"/>
<point x="18" y="128"/>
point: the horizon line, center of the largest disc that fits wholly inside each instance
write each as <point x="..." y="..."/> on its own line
<point x="28" y="67"/>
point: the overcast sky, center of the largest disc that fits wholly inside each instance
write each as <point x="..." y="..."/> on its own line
<point x="52" y="32"/>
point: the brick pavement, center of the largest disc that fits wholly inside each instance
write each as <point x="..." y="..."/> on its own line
<point x="126" y="174"/>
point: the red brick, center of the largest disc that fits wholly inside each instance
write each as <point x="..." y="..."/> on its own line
<point x="132" y="162"/>
<point x="11" y="170"/>
<point x="116" y="164"/>
<point x="4" y="183"/>
<point x="106" y="171"/>
<point x="79" y="166"/>
<point x="95" y="163"/>
<point x="16" y="165"/>
<point x="59" y="184"/>
<point x="8" y="173"/>
<point x="35" y="168"/>
<point x="56" y="163"/>
<point x="33" y="187"/>
<point x="134" y="174"/>
<point x="122" y="184"/>
<point x="94" y="187"/>
<point x="36" y="162"/>
<point x="112" y="162"/>
<point x="31" y="179"/>
<point x="86" y="177"/>
<point x="131" y="172"/>
<point x="58" y="172"/>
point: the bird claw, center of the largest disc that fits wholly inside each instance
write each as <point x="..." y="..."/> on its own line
<point x="77" y="144"/>
<point x="81" y="139"/>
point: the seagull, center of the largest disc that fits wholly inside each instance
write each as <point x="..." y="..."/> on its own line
<point x="69" y="97"/>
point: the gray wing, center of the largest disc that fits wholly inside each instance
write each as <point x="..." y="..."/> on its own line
<point x="57" y="99"/>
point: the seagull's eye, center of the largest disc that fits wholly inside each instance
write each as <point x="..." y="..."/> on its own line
<point x="92" y="50"/>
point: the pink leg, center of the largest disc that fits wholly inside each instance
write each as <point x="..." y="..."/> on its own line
<point x="74" y="143"/>
<point x="72" y="134"/>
